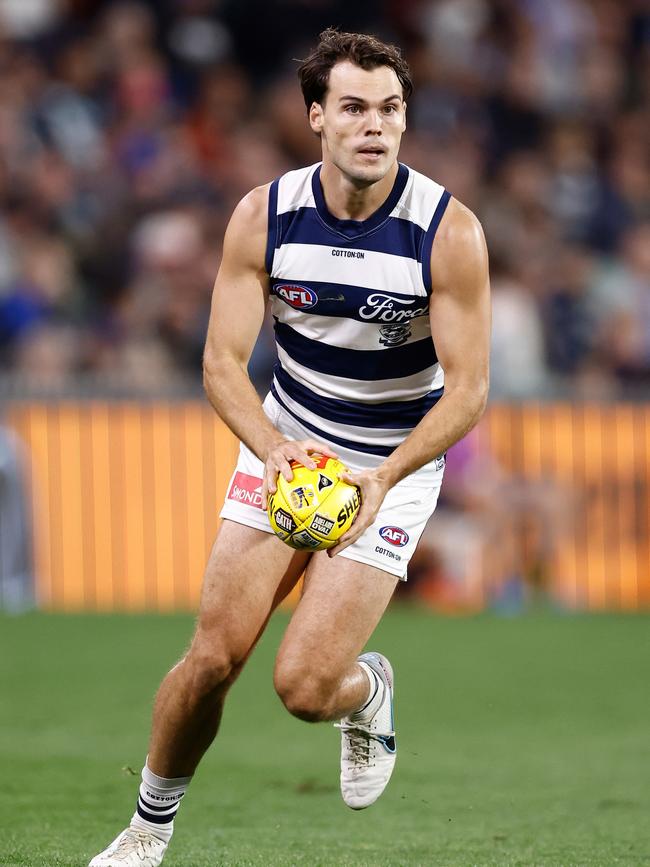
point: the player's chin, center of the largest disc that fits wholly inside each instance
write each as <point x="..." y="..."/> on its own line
<point x="370" y="177"/>
<point x="370" y="173"/>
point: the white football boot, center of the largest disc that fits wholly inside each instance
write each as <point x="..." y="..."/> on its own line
<point x="132" y="848"/>
<point x="368" y="749"/>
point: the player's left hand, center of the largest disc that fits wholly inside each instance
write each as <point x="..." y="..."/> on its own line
<point x="373" y="490"/>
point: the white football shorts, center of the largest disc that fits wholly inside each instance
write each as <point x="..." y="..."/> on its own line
<point x="389" y="543"/>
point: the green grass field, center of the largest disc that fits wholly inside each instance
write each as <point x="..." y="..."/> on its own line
<point x="521" y="742"/>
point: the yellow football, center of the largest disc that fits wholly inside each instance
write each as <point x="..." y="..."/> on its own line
<point x="314" y="509"/>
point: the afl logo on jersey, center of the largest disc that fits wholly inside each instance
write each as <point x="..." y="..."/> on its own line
<point x="296" y="296"/>
<point x="394" y="536"/>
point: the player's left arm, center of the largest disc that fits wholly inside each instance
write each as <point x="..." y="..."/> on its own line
<point x="459" y="311"/>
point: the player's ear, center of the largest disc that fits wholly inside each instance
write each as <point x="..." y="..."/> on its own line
<point x="404" y="121"/>
<point x="316" y="117"/>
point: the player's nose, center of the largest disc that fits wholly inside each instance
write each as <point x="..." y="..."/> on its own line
<point x="374" y="122"/>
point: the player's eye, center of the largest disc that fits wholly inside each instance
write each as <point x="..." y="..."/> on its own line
<point x="353" y="109"/>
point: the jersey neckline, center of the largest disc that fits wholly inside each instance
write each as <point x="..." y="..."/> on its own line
<point x="352" y="229"/>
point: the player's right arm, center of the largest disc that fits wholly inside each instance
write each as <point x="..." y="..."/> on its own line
<point x="238" y="303"/>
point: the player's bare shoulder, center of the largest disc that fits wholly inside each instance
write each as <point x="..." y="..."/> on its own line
<point x="459" y="254"/>
<point x="247" y="230"/>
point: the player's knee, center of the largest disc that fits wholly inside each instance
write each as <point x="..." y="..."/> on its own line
<point x="304" y="694"/>
<point x="211" y="668"/>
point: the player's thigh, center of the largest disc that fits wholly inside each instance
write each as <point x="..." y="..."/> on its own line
<point x="342" y="603"/>
<point x="248" y="573"/>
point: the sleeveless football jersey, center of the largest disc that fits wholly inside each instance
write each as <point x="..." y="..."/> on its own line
<point x="350" y="303"/>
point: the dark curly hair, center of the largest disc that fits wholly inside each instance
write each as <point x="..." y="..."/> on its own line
<point x="359" y="48"/>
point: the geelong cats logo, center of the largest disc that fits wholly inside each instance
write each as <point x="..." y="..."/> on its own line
<point x="394" y="313"/>
<point x="394" y="335"/>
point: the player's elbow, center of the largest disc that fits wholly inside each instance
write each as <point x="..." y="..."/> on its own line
<point x="215" y="379"/>
<point x="216" y="369"/>
<point x="472" y="395"/>
<point x="210" y="372"/>
<point x="481" y="392"/>
<point x="477" y="399"/>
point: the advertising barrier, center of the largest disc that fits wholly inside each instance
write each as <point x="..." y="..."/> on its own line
<point x="125" y="498"/>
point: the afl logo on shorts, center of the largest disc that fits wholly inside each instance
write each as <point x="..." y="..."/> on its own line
<point x="299" y="297"/>
<point x="394" y="536"/>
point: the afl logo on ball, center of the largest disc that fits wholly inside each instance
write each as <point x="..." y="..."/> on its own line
<point x="299" y="297"/>
<point x="394" y="536"/>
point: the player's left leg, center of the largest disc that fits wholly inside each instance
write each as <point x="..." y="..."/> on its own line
<point x="319" y="674"/>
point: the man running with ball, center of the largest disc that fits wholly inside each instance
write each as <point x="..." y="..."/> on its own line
<point x="378" y="284"/>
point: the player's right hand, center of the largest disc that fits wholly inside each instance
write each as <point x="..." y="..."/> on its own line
<point x="279" y="457"/>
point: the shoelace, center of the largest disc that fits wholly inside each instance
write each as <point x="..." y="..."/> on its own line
<point x="131" y="842"/>
<point x="359" y="738"/>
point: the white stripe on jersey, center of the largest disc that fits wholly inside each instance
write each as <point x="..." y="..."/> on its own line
<point x="294" y="190"/>
<point x="345" y="388"/>
<point x="342" y="332"/>
<point x="383" y="272"/>
<point x="416" y="200"/>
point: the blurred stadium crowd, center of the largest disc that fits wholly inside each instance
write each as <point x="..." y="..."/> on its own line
<point x="129" y="130"/>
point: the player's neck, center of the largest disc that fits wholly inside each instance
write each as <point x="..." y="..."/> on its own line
<point x="347" y="200"/>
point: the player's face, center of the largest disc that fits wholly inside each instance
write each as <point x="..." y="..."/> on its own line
<point x="361" y="122"/>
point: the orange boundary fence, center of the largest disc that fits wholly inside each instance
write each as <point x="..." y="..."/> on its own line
<point x="125" y="498"/>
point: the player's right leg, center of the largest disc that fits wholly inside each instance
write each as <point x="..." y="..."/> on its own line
<point x="249" y="572"/>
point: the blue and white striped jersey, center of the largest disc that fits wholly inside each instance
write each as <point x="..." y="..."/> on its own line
<point x="350" y="302"/>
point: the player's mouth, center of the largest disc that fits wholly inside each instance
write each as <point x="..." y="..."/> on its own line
<point x="372" y="151"/>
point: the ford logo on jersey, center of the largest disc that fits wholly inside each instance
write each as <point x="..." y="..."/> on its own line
<point x="394" y="536"/>
<point x="299" y="297"/>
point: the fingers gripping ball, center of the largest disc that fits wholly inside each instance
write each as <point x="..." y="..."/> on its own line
<point x="314" y="509"/>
